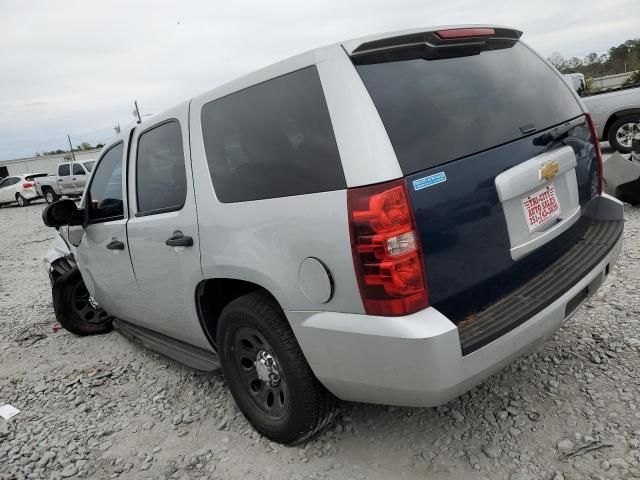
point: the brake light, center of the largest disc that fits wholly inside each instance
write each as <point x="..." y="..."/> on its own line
<point x="465" y="33"/>
<point x="27" y="185"/>
<point x="386" y="249"/>
<point x="596" y="143"/>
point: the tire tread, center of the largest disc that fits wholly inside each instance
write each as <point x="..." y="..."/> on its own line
<point x="320" y="406"/>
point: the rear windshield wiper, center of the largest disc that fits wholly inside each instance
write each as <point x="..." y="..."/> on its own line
<point x="557" y="132"/>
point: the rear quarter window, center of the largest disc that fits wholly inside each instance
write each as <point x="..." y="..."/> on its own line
<point x="440" y="110"/>
<point x="273" y="139"/>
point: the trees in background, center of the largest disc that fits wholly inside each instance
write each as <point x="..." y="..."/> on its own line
<point x="79" y="148"/>
<point x="620" y="59"/>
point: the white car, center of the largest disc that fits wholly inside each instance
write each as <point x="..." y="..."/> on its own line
<point x="19" y="188"/>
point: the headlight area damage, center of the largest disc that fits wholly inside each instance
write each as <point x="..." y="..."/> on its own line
<point x="59" y="259"/>
<point x="622" y="175"/>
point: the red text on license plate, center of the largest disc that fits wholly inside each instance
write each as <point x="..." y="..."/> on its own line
<point x="540" y="206"/>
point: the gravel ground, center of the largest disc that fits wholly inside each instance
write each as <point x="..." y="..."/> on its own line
<point x="102" y="407"/>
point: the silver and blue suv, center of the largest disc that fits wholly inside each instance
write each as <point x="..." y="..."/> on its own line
<point x="387" y="220"/>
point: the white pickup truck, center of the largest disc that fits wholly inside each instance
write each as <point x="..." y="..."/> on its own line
<point x="70" y="181"/>
<point x="616" y="115"/>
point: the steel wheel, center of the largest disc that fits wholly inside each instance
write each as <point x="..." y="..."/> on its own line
<point x="259" y="369"/>
<point x="85" y="306"/>
<point x="626" y="132"/>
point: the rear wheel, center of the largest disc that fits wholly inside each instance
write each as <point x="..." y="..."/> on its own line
<point x="22" y="202"/>
<point x="50" y="196"/>
<point x="267" y="373"/>
<point x="622" y="131"/>
<point x="75" y="309"/>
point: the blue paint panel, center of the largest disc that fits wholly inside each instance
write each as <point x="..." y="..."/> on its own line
<point x="464" y="233"/>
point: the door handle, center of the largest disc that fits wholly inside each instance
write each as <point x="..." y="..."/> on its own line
<point x="179" y="240"/>
<point x="115" y="245"/>
<point x="59" y="179"/>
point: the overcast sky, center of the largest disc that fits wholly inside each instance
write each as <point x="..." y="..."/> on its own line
<point x="76" y="66"/>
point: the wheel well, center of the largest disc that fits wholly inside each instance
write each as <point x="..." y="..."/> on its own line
<point x="214" y="294"/>
<point x="46" y="188"/>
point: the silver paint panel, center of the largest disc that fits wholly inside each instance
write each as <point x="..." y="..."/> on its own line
<point x="265" y="241"/>
<point x="167" y="276"/>
<point x="365" y="149"/>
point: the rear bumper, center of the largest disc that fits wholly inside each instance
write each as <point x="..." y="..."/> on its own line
<point x="417" y="360"/>
<point x="30" y="193"/>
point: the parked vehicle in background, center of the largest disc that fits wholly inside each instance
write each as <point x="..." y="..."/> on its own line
<point x="622" y="174"/>
<point x="382" y="220"/>
<point x="19" y="188"/>
<point x="70" y="181"/>
<point x="616" y="115"/>
<point x="577" y="81"/>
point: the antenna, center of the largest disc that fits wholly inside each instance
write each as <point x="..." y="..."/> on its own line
<point x="71" y="147"/>
<point x="137" y="112"/>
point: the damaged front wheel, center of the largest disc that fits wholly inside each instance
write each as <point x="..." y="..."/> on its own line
<point x="75" y="309"/>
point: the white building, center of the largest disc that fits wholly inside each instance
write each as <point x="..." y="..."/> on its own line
<point x="43" y="164"/>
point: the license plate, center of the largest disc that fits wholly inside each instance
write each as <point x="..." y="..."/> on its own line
<point x="540" y="206"/>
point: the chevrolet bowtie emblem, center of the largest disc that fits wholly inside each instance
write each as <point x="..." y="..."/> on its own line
<point x="548" y="170"/>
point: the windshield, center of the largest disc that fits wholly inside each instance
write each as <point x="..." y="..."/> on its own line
<point x="436" y="111"/>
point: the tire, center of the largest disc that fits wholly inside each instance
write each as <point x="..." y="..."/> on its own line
<point x="22" y="202"/>
<point x="622" y="131"/>
<point x="268" y="375"/>
<point x="50" y="196"/>
<point x="74" y="309"/>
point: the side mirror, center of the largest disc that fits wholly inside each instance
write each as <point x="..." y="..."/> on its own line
<point x="62" y="212"/>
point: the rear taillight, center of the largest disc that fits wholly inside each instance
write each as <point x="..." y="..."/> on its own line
<point x="386" y="249"/>
<point x="596" y="143"/>
<point x="27" y="185"/>
<point x="465" y="33"/>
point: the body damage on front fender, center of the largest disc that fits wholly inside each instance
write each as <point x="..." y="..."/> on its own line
<point x="58" y="259"/>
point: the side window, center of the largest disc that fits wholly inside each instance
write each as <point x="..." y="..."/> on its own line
<point x="77" y="169"/>
<point x="105" y="193"/>
<point x="273" y="139"/>
<point x="9" y="181"/>
<point x="63" y="170"/>
<point x="161" y="180"/>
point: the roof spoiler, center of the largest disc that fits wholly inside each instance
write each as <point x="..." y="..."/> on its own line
<point x="443" y="42"/>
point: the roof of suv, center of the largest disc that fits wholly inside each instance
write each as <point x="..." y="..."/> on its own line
<point x="306" y="58"/>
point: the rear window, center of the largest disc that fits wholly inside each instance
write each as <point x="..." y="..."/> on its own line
<point x="273" y="139"/>
<point x="436" y="111"/>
